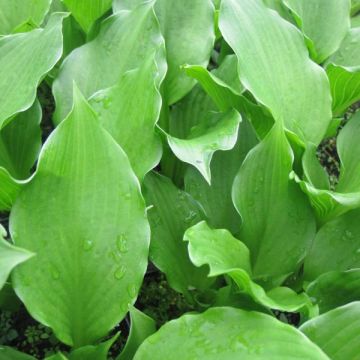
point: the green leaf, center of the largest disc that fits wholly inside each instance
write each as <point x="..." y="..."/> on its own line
<point x="334" y="289"/>
<point x="129" y="111"/>
<point x="227" y="95"/>
<point x="226" y="255"/>
<point x="57" y="356"/>
<point x="16" y="12"/>
<point x="83" y="180"/>
<point x="275" y="67"/>
<point x="124" y="41"/>
<point x="343" y="70"/>
<point x="20" y="142"/>
<point x="93" y="352"/>
<point x="86" y="12"/>
<point x="216" y="198"/>
<point x="336" y="246"/>
<point x="280" y="8"/>
<point x="9" y="190"/>
<point x="325" y="32"/>
<point x="172" y="213"/>
<point x="336" y="332"/>
<point x="327" y="203"/>
<point x="183" y="116"/>
<point x="142" y="326"/>
<point x="227" y="334"/>
<point x="10" y="257"/>
<point x="278" y="223"/>
<point x="217" y="132"/>
<point x="355" y="7"/>
<point x="31" y="54"/>
<point x="7" y="353"/>
<point x="355" y="21"/>
<point x="192" y="21"/>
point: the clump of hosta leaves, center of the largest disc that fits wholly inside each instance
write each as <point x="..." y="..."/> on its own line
<point x="178" y="142"/>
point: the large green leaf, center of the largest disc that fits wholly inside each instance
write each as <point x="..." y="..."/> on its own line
<point x="324" y="22"/>
<point x="337" y="332"/>
<point x="336" y="246"/>
<point x="226" y="255"/>
<point x="142" y="326"/>
<point x="7" y="353"/>
<point x="172" y="213"/>
<point x="335" y="288"/>
<point x="124" y="41"/>
<point x="10" y="257"/>
<point x="129" y="111"/>
<point x="32" y="55"/>
<point x="57" y="356"/>
<point x="14" y="13"/>
<point x="278" y="223"/>
<point x="343" y="70"/>
<point x="216" y="198"/>
<point x="192" y="21"/>
<point x="275" y="67"/>
<point x="327" y="203"/>
<point x="216" y="132"/>
<point x="86" y="12"/>
<point x="20" y="142"/>
<point x="228" y="334"/>
<point x="83" y="180"/>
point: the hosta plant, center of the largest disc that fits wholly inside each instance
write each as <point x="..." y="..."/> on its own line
<point x="182" y="137"/>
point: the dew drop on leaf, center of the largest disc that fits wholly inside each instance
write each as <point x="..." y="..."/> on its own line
<point x="87" y="244"/>
<point x="121" y="243"/>
<point x="120" y="273"/>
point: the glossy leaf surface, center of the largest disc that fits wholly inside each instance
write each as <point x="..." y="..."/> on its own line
<point x="325" y="32"/>
<point x="32" y="55"/>
<point x="123" y="42"/>
<point x="10" y="257"/>
<point x="83" y="179"/>
<point x="338" y="240"/>
<point x="86" y="12"/>
<point x="192" y="21"/>
<point x="20" y="142"/>
<point x="226" y="255"/>
<point x="172" y="213"/>
<point x="335" y="288"/>
<point x="278" y="224"/>
<point x="14" y="13"/>
<point x="130" y="109"/>
<point x="216" y="198"/>
<point x="142" y="326"/>
<point x="343" y="70"/>
<point x="274" y="66"/>
<point x="337" y="332"/>
<point x="217" y="132"/>
<point x="227" y="334"/>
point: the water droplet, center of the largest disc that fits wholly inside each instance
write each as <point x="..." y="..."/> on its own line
<point x="358" y="251"/>
<point x="199" y="161"/>
<point x="87" y="244"/>
<point x="121" y="243"/>
<point x="54" y="273"/>
<point x="132" y="291"/>
<point x="120" y="273"/>
<point x="127" y="196"/>
<point x="349" y="234"/>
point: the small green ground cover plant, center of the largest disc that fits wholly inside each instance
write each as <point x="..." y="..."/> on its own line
<point x="179" y="140"/>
